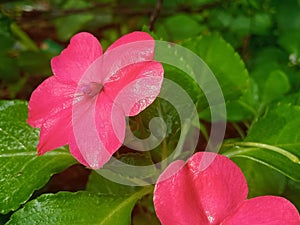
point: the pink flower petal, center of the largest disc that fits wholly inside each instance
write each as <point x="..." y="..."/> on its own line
<point x="265" y="210"/>
<point x="131" y="37"/>
<point x="99" y="130"/>
<point x="71" y="64"/>
<point x="49" y="100"/>
<point x="74" y="150"/>
<point x="130" y="49"/>
<point x="55" y="132"/>
<point x="75" y="107"/>
<point x="197" y="196"/>
<point x="137" y="86"/>
<point x="50" y="109"/>
<point x="175" y="201"/>
<point x="110" y="124"/>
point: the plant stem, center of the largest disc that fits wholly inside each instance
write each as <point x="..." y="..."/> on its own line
<point x="281" y="151"/>
<point x="164" y="154"/>
<point x="203" y="130"/>
<point x="239" y="130"/>
<point x="155" y="14"/>
<point x="24" y="38"/>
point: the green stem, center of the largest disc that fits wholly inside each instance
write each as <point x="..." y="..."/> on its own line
<point x="251" y="109"/>
<point x="247" y="124"/>
<point x="164" y="154"/>
<point x="238" y="151"/>
<point x="203" y="130"/>
<point x="239" y="130"/>
<point x="281" y="151"/>
<point x="164" y="147"/>
<point x="24" y="38"/>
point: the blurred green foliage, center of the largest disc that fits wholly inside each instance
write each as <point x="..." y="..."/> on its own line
<point x="265" y="34"/>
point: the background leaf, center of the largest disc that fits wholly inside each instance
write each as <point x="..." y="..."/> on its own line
<point x="225" y="63"/>
<point x="245" y="108"/>
<point x="100" y="185"/>
<point x="168" y="29"/>
<point x="9" y="70"/>
<point x="278" y="128"/>
<point x="271" y="75"/>
<point x="288" y="19"/>
<point x="292" y="192"/>
<point x="69" y="25"/>
<point x="21" y="170"/>
<point x="261" y="179"/>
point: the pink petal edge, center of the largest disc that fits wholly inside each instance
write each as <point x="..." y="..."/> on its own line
<point x="73" y="61"/>
<point x="202" y="197"/>
<point x="136" y="47"/>
<point x="54" y="133"/>
<point x="50" y="109"/>
<point x="48" y="100"/>
<point x="98" y="129"/>
<point x="130" y="38"/>
<point x="265" y="210"/>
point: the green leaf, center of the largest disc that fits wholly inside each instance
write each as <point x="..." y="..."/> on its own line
<point x="290" y="42"/>
<point x="70" y="24"/>
<point x="5" y="23"/>
<point x="291" y="99"/>
<point x="159" y="108"/>
<point x="276" y="85"/>
<point x="21" y="170"/>
<point x="169" y="28"/>
<point x="165" y="110"/>
<point x="225" y="63"/>
<point x="35" y="62"/>
<point x="261" y="23"/>
<point x="78" y="208"/>
<point x="287" y="15"/>
<point x="136" y="159"/>
<point x="9" y="71"/>
<point x="118" y="172"/>
<point x="288" y="20"/>
<point x="261" y="179"/>
<point x="100" y="185"/>
<point x="292" y="192"/>
<point x="6" y="42"/>
<point x="270" y="74"/>
<point x="186" y="82"/>
<point x="241" y="25"/>
<point x="273" y="83"/>
<point x="245" y="107"/>
<point x="274" y="141"/>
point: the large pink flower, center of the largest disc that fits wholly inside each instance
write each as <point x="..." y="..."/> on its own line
<point x="85" y="102"/>
<point x="198" y="194"/>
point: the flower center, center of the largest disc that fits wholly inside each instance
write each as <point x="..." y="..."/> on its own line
<point x="91" y="89"/>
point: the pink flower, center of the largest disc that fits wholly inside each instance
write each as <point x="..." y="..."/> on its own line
<point x="216" y="195"/>
<point x="85" y="102"/>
